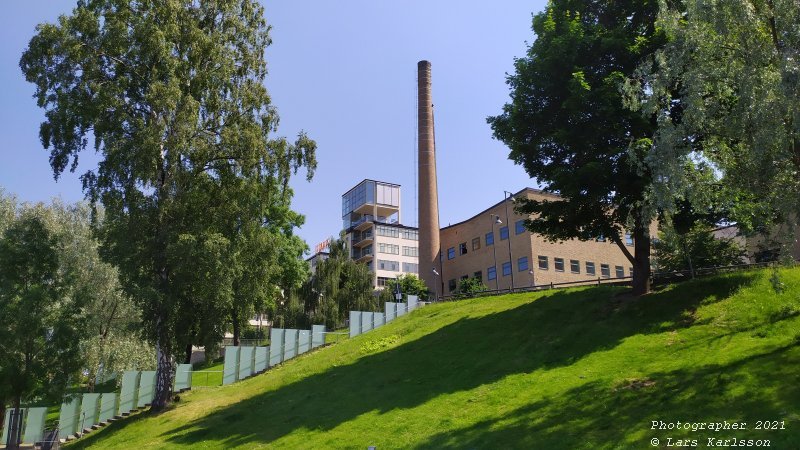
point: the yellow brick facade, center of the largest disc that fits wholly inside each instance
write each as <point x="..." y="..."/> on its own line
<point x="465" y="252"/>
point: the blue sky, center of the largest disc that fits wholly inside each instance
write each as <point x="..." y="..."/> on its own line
<point x="345" y="72"/>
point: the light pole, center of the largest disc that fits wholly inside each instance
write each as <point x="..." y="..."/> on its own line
<point x="398" y="294"/>
<point x="435" y="293"/>
<point x="495" y="219"/>
<point x="508" y="225"/>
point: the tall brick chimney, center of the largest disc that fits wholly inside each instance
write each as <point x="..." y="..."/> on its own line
<point x="429" y="249"/>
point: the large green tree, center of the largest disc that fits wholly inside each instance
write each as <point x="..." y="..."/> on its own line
<point x="42" y="315"/>
<point x="567" y="126"/>
<point x="726" y="91"/>
<point x="171" y="95"/>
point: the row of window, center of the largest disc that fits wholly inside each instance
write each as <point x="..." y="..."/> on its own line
<point x="575" y="267"/>
<point x="383" y="230"/>
<point x="558" y="263"/>
<point x="394" y="266"/>
<point x="394" y="249"/>
<point x="519" y="228"/>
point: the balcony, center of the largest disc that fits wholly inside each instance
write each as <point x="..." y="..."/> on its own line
<point x="365" y="239"/>
<point x="362" y="254"/>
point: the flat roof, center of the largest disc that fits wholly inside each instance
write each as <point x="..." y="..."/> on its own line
<point x="527" y="189"/>
<point x="369" y="179"/>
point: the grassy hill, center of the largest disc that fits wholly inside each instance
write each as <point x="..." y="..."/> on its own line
<point x="584" y="368"/>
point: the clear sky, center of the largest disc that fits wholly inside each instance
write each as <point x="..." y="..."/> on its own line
<point x="345" y="72"/>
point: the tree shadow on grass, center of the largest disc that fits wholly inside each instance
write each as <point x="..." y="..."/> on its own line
<point x="555" y="330"/>
<point x="599" y="416"/>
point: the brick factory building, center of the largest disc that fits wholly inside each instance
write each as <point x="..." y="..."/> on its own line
<point x="495" y="247"/>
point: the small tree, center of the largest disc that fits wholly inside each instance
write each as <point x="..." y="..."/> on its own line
<point x="42" y="329"/>
<point x="410" y="284"/>
<point x="468" y="287"/>
<point x="694" y="249"/>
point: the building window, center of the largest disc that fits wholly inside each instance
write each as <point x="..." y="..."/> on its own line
<point x="601" y="238"/>
<point x="451" y="253"/>
<point x="630" y="271"/>
<point x="543" y="264"/>
<point x="491" y="273"/>
<point x="558" y="264"/>
<point x="628" y="239"/>
<point x="410" y="251"/>
<point x="478" y="275"/>
<point x="476" y="244"/>
<point x="382" y="281"/>
<point x="383" y="230"/>
<point x="589" y="268"/>
<point x="605" y="271"/>
<point x="522" y="263"/>
<point x="462" y="248"/>
<point x="574" y="266"/>
<point x="507" y="268"/>
<point x="489" y="238"/>
<point x="410" y="267"/>
<point x="503" y="233"/>
<point x="391" y="249"/>
<point x="620" y="271"/>
<point x="451" y="285"/>
<point x="519" y="226"/>
<point x="392" y="266"/>
<point x="410" y="234"/>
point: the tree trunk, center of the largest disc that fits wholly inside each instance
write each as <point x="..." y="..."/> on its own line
<point x="164" y="377"/>
<point x="15" y="425"/>
<point x="2" y="415"/>
<point x="188" y="358"/>
<point x="237" y="329"/>
<point x="641" y="258"/>
<point x="688" y="255"/>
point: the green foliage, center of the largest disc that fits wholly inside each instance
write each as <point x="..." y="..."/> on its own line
<point x="410" y="284"/>
<point x="469" y="287"/>
<point x="567" y="126"/>
<point x="338" y="286"/>
<point x="194" y="186"/>
<point x="695" y="249"/>
<point x="585" y="368"/>
<point x="726" y="91"/>
<point x="43" y="318"/>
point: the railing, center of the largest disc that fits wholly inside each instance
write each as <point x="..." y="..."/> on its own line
<point x="363" y="237"/>
<point x="656" y="278"/>
<point x="226" y="342"/>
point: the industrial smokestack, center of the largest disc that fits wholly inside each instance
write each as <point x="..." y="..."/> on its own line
<point x="429" y="251"/>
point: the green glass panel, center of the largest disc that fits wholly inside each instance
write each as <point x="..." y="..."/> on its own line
<point x="378" y="319"/>
<point x="355" y="323"/>
<point x="317" y="336"/>
<point x="413" y="302"/>
<point x="366" y="321"/>
<point x="289" y="344"/>
<point x="183" y="377"/>
<point x="147" y="388"/>
<point x="34" y="425"/>
<point x="261" y="359"/>
<point x="231" y="368"/>
<point x="108" y="406"/>
<point x="90" y="405"/>
<point x="127" y="395"/>
<point x="303" y="341"/>
<point x="275" y="346"/>
<point x="68" y="419"/>
<point x="391" y="311"/>
<point x="246" y="362"/>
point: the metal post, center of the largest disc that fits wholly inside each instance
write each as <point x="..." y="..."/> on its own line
<point x="494" y="253"/>
<point x="508" y="225"/>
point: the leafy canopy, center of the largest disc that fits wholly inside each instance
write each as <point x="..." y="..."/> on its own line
<point x="172" y="96"/>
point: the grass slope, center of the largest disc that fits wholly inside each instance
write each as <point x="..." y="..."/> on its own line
<point x="586" y="368"/>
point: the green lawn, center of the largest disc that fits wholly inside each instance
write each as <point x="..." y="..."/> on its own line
<point x="586" y="368"/>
